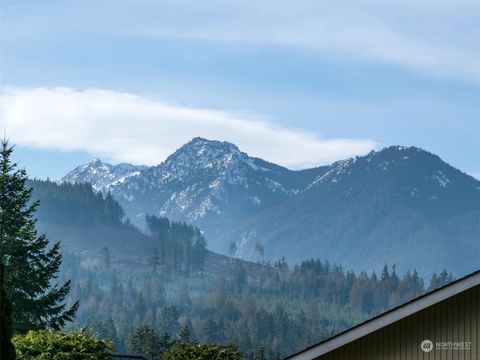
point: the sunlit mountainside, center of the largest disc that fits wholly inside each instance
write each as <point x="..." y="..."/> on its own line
<point x="363" y="211"/>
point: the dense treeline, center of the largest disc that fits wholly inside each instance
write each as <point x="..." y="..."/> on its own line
<point x="31" y="298"/>
<point x="369" y="294"/>
<point x="188" y="246"/>
<point x="178" y="247"/>
<point x="75" y="204"/>
<point x="276" y="310"/>
<point x="268" y="310"/>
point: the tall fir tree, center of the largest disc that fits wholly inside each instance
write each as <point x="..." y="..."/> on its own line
<point x="31" y="265"/>
<point x="7" y="350"/>
<point x="146" y="342"/>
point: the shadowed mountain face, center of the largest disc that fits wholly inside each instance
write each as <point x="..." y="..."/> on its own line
<point x="209" y="183"/>
<point x="398" y="205"/>
<point x="102" y="176"/>
<point x="90" y="225"/>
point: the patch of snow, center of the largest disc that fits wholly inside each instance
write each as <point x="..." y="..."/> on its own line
<point x="250" y="163"/>
<point x="441" y="178"/>
<point x="336" y="172"/>
<point x="256" y="200"/>
<point x="384" y="165"/>
<point x="129" y="197"/>
<point x="414" y="193"/>
<point x="214" y="184"/>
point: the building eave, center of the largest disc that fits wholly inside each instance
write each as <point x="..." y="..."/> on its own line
<point x="389" y="317"/>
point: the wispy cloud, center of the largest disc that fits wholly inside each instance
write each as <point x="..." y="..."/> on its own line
<point x="435" y="38"/>
<point x="126" y="127"/>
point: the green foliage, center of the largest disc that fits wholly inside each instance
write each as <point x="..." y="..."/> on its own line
<point x="269" y="311"/>
<point x="45" y="345"/>
<point x="232" y="250"/>
<point x="273" y="310"/>
<point x="75" y="204"/>
<point x="259" y="249"/>
<point x="185" y="335"/>
<point x="187" y="242"/>
<point x="7" y="351"/>
<point x="192" y="351"/>
<point x="440" y="280"/>
<point x="148" y="343"/>
<point x="386" y="205"/>
<point x="30" y="265"/>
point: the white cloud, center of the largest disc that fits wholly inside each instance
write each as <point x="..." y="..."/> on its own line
<point x="124" y="127"/>
<point x="436" y="38"/>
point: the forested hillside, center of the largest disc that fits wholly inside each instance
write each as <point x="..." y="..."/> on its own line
<point x="166" y="282"/>
<point x="75" y="205"/>
<point x="400" y="205"/>
<point x="206" y="182"/>
<point x="392" y="205"/>
<point x="277" y="308"/>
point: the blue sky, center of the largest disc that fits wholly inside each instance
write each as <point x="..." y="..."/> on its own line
<point x="297" y="83"/>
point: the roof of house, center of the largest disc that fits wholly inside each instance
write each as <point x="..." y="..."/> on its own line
<point x="389" y="317"/>
<point x="127" y="357"/>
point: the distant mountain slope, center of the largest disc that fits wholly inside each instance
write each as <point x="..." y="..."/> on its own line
<point x="402" y="205"/>
<point x="102" y="175"/>
<point x="210" y="183"/>
<point x="399" y="205"/>
<point x="85" y="223"/>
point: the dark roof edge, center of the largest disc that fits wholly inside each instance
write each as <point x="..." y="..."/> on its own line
<point x="389" y="317"/>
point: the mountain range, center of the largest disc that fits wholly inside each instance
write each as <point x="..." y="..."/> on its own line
<point x="399" y="205"/>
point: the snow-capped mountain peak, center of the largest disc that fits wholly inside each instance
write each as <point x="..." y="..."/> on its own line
<point x="202" y="179"/>
<point x="102" y="175"/>
<point x="223" y="162"/>
<point x="416" y="174"/>
<point x="386" y="194"/>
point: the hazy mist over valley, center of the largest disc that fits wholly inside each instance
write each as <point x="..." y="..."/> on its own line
<point x="362" y="212"/>
<point x="236" y="180"/>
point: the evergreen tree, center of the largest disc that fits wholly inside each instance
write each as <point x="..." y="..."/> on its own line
<point x="261" y="354"/>
<point x="200" y="251"/>
<point x="106" y="258"/>
<point x="7" y="351"/>
<point x="259" y="250"/>
<point x="239" y="275"/>
<point x="213" y="331"/>
<point x="178" y="257"/>
<point x="110" y="330"/>
<point x="113" y="211"/>
<point x="232" y="251"/>
<point x="169" y="320"/>
<point x="30" y="266"/>
<point x="185" y="335"/>
<point x="140" y="307"/>
<point x="154" y="260"/>
<point x="146" y="342"/>
<point x="440" y="280"/>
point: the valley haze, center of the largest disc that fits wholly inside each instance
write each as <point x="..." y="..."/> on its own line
<point x="400" y="205"/>
<point x="241" y="176"/>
